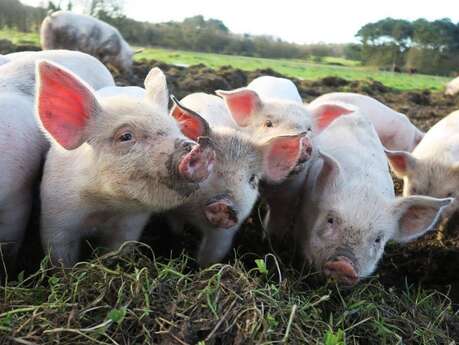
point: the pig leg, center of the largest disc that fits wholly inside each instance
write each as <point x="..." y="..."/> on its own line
<point x="14" y="216"/>
<point x="61" y="236"/>
<point x="215" y="245"/>
<point x="128" y="228"/>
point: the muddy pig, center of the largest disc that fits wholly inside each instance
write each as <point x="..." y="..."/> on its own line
<point x="226" y="199"/>
<point x="67" y="30"/>
<point x="23" y="144"/>
<point x="113" y="161"/>
<point x="349" y="211"/>
<point x="394" y="129"/>
<point x="433" y="167"/>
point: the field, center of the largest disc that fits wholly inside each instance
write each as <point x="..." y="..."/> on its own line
<point x="263" y="293"/>
<point x="306" y="70"/>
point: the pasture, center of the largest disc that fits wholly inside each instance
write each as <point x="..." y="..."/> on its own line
<point x="307" y="70"/>
<point x="262" y="294"/>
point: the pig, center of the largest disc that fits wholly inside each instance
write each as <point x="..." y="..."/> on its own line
<point x="67" y="30"/>
<point x="22" y="143"/>
<point x="113" y="161"/>
<point x="394" y="129"/>
<point x="263" y="113"/>
<point x="270" y="87"/>
<point x="227" y="197"/>
<point x="452" y="88"/>
<point x="348" y="209"/>
<point x="433" y="167"/>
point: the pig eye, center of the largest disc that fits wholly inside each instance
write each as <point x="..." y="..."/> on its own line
<point x="378" y="239"/>
<point x="126" y="136"/>
<point x="330" y="220"/>
<point x="449" y="195"/>
<point x="413" y="190"/>
<point x="253" y="181"/>
<point x="268" y="123"/>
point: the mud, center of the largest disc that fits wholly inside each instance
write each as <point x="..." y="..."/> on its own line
<point x="432" y="261"/>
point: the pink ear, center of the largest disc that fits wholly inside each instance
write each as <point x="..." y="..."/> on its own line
<point x="324" y="114"/>
<point x="281" y="155"/>
<point x="64" y="103"/>
<point x="242" y="103"/>
<point x="401" y="162"/>
<point x="191" y="124"/>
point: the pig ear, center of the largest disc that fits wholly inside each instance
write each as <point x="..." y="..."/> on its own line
<point x="156" y="86"/>
<point x="416" y="215"/>
<point x="328" y="174"/>
<point x="324" y="114"/>
<point x="281" y="155"/>
<point x="65" y="104"/>
<point x="401" y="162"/>
<point x="242" y="104"/>
<point x="190" y="123"/>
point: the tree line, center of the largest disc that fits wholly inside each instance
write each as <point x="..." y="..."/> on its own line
<point x="422" y="45"/>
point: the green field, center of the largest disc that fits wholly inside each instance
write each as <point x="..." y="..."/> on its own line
<point x="307" y="70"/>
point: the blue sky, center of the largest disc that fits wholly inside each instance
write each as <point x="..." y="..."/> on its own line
<point x="304" y="21"/>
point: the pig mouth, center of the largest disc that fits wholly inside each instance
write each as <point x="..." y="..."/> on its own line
<point x="342" y="269"/>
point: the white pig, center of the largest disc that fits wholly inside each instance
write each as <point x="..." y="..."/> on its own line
<point x="269" y="87"/>
<point x="113" y="161"/>
<point x="21" y="141"/>
<point x="67" y="30"/>
<point x="433" y="167"/>
<point x="263" y="113"/>
<point x="394" y="129"/>
<point x="348" y="210"/>
<point x="227" y="197"/>
<point x="452" y="87"/>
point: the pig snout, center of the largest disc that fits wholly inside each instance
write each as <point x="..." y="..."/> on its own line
<point x="306" y="151"/>
<point x="196" y="165"/>
<point x="221" y="213"/>
<point x="342" y="269"/>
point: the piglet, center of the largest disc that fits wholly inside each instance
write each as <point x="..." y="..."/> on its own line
<point x="433" y="167"/>
<point x="348" y="209"/>
<point x="113" y="161"/>
<point x="227" y="197"/>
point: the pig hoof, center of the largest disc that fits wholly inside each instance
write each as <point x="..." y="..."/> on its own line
<point x="342" y="270"/>
<point x="221" y="214"/>
<point x="197" y="165"/>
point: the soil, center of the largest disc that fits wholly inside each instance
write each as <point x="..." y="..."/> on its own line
<point x="432" y="261"/>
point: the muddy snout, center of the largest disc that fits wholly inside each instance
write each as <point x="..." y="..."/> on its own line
<point x="198" y="160"/>
<point x="221" y="213"/>
<point x="342" y="269"/>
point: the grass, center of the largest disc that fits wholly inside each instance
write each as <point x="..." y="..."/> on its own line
<point x="299" y="68"/>
<point x="139" y="299"/>
<point x="308" y="70"/>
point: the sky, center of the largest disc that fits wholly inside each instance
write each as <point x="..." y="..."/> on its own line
<point x="330" y="21"/>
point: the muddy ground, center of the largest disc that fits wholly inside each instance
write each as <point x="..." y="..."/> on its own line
<point x="431" y="262"/>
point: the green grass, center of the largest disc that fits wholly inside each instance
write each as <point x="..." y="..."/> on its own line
<point x="20" y="37"/>
<point x="139" y="299"/>
<point x="301" y="69"/>
<point x="298" y="68"/>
